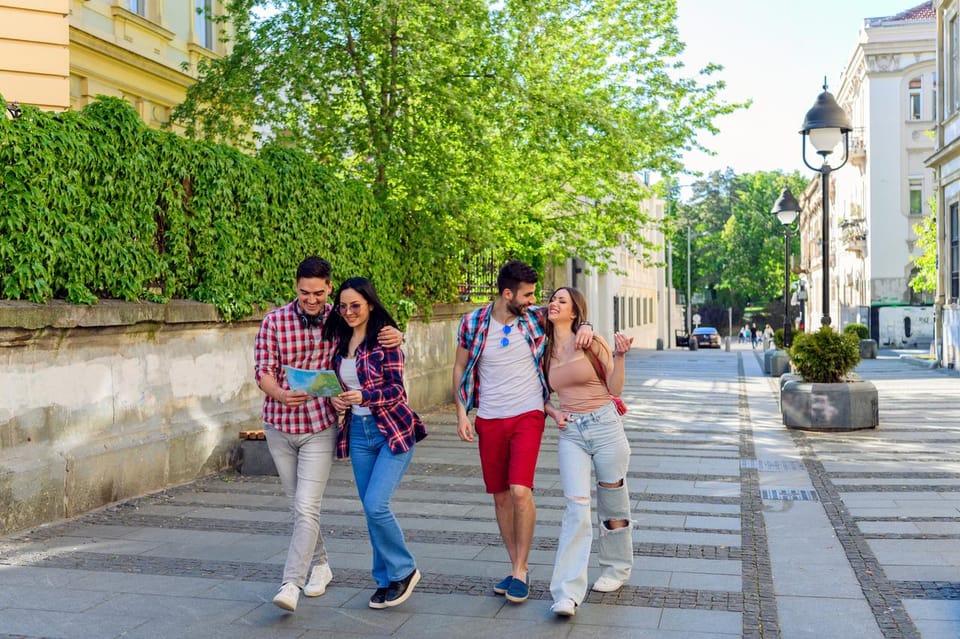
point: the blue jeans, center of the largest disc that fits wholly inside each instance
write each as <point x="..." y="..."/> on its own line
<point x="303" y="463"/>
<point x="592" y="441"/>
<point x="378" y="471"/>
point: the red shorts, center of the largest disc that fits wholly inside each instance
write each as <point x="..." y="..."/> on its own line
<point x="509" y="449"/>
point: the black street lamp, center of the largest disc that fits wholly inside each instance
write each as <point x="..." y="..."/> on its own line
<point x="786" y="209"/>
<point x="14" y="111"/>
<point x="826" y="123"/>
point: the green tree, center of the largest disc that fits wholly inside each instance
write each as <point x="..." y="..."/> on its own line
<point x="736" y="243"/>
<point x="520" y="124"/>
<point x="925" y="281"/>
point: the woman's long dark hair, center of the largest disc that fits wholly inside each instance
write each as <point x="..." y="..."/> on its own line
<point x="579" y="303"/>
<point x="336" y="328"/>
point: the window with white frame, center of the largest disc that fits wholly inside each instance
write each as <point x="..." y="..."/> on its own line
<point x="933" y="100"/>
<point x="916" y="196"/>
<point x="953" y="64"/>
<point x="204" y="25"/>
<point x="138" y="7"/>
<point x="954" y="252"/>
<point x="914" y="103"/>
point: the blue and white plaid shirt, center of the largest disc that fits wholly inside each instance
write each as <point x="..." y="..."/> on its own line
<point x="473" y="334"/>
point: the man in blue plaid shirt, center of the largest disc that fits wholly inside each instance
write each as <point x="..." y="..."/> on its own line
<point x="498" y="371"/>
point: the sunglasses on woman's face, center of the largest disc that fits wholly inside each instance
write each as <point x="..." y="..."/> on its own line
<point x="353" y="308"/>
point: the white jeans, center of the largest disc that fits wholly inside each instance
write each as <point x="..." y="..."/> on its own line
<point x="303" y="463"/>
<point x="592" y="441"/>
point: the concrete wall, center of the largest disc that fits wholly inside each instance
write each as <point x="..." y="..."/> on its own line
<point x="110" y="401"/>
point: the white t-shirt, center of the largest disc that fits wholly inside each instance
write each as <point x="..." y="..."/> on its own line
<point x="509" y="382"/>
<point x="348" y="373"/>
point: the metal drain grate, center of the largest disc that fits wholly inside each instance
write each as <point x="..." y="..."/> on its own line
<point x="789" y="494"/>
<point x="771" y="465"/>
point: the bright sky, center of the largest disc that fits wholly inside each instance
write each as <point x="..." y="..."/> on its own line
<point x="775" y="52"/>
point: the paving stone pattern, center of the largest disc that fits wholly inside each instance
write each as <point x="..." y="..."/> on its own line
<point x="724" y="498"/>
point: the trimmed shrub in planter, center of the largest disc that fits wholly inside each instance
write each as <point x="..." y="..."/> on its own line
<point x="860" y="330"/>
<point x="828" y="396"/>
<point x="868" y="347"/>
<point x="825" y="356"/>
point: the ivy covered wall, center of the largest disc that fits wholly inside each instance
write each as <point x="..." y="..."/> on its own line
<point x="93" y="204"/>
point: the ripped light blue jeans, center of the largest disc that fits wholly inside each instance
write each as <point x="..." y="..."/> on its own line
<point x="592" y="442"/>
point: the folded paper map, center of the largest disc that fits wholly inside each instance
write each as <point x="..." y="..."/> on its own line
<point x="319" y="383"/>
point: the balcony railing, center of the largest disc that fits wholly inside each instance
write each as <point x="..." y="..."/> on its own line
<point x="853" y="234"/>
<point x="858" y="148"/>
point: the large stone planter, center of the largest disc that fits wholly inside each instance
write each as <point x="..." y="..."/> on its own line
<point x="767" y="356"/>
<point x="850" y="405"/>
<point x="779" y="363"/>
<point x="868" y="349"/>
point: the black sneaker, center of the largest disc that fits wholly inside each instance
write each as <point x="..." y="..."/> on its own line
<point x="378" y="598"/>
<point x="401" y="590"/>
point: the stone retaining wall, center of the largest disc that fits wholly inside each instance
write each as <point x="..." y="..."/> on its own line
<point x="102" y="403"/>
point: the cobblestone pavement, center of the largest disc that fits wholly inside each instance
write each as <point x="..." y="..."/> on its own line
<point x="744" y="529"/>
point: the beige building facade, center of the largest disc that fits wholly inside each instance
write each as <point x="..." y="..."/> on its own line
<point x="888" y="90"/>
<point x="634" y="296"/>
<point x="945" y="162"/>
<point x="61" y="54"/>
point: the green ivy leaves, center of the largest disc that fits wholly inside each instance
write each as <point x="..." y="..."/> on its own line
<point x="96" y="205"/>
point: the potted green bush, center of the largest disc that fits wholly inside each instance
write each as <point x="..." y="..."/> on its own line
<point x="826" y="395"/>
<point x="777" y="361"/>
<point x="868" y="347"/>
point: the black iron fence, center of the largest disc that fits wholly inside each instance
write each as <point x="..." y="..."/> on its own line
<point x="479" y="275"/>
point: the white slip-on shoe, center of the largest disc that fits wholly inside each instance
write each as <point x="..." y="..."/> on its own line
<point x="564" y="608"/>
<point x="320" y="576"/>
<point x="287" y="597"/>
<point x="607" y="584"/>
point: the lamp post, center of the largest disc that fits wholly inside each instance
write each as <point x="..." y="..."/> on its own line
<point x="825" y="123"/>
<point x="689" y="324"/>
<point x="786" y="210"/>
<point x="14" y="111"/>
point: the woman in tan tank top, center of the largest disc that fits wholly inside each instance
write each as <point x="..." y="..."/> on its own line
<point x="591" y="439"/>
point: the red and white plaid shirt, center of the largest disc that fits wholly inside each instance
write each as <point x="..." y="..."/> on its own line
<point x="284" y="340"/>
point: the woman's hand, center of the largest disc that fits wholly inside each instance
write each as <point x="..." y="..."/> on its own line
<point x="622" y="344"/>
<point x="351" y="397"/>
<point x="558" y="416"/>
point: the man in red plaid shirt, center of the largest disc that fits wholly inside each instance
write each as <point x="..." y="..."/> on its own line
<point x="301" y="429"/>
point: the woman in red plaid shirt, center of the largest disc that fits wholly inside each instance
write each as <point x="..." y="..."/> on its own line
<point x="378" y="431"/>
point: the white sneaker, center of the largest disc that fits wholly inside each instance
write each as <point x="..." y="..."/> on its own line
<point x="320" y="576"/>
<point x="564" y="608"/>
<point x="607" y="584"/>
<point x="287" y="597"/>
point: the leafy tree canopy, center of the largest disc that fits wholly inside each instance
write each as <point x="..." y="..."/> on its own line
<point x="736" y="242"/>
<point x="925" y="281"/>
<point x="520" y="124"/>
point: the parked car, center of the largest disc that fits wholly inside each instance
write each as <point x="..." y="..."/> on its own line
<point x="707" y="337"/>
<point x="681" y="338"/>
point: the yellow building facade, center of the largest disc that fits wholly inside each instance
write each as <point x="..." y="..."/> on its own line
<point x="61" y="54"/>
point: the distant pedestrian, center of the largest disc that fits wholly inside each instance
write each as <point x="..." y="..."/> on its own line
<point x="378" y="431"/>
